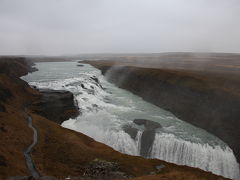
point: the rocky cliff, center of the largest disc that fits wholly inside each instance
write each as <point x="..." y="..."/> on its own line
<point x="207" y="99"/>
<point x="57" y="106"/>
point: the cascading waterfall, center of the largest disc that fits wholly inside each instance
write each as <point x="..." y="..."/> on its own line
<point x="216" y="159"/>
<point x="106" y="109"/>
<point x="138" y="142"/>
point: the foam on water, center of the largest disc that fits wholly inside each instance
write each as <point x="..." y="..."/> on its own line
<point x="106" y="109"/>
<point x="216" y="159"/>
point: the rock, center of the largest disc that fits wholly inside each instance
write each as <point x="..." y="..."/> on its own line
<point x="131" y="131"/>
<point x="80" y="65"/>
<point x="148" y="134"/>
<point x="82" y="85"/>
<point x="149" y="125"/>
<point x="95" y="79"/>
<point x="147" y="140"/>
<point x="57" y="106"/>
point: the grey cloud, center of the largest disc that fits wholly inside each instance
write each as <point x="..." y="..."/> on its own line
<point x="57" y="27"/>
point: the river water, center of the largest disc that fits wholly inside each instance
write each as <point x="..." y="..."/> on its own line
<point x="106" y="109"/>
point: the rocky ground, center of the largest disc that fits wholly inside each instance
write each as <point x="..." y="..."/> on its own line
<point x="61" y="153"/>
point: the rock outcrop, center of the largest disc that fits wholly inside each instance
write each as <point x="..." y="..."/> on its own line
<point x="148" y="124"/>
<point x="148" y="135"/>
<point x="57" y="106"/>
<point x="148" y="129"/>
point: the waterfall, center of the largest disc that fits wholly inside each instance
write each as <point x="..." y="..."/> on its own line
<point x="138" y="142"/>
<point x="106" y="109"/>
<point x="215" y="159"/>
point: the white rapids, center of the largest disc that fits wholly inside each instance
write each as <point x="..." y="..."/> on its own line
<point x="105" y="109"/>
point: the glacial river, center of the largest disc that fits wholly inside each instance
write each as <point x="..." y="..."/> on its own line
<point x="106" y="109"/>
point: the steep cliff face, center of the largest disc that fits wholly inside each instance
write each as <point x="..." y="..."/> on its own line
<point x="57" y="106"/>
<point x="197" y="98"/>
<point x="60" y="152"/>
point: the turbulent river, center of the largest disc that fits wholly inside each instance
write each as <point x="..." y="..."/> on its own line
<point x="106" y="110"/>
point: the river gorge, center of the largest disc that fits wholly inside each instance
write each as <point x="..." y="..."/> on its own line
<point x="108" y="114"/>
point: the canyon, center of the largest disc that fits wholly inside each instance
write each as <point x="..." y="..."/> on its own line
<point x="61" y="152"/>
<point x="202" y="89"/>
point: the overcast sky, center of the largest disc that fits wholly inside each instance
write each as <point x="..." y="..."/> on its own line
<point x="56" y="27"/>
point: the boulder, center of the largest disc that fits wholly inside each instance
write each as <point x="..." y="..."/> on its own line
<point x="148" y="124"/>
<point x="131" y="131"/>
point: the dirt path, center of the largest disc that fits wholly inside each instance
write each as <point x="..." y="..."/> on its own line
<point x="27" y="154"/>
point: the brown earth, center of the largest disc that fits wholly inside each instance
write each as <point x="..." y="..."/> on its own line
<point x="60" y="152"/>
<point x="197" y="89"/>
